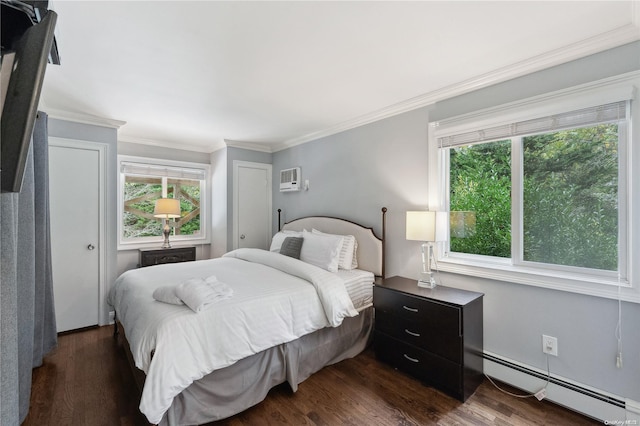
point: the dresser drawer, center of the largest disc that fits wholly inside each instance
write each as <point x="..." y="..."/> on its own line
<point x="422" y="365"/>
<point x="434" y="334"/>
<point x="422" y="333"/>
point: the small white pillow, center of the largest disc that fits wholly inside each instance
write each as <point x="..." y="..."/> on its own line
<point x="167" y="294"/>
<point x="348" y="258"/>
<point x="321" y="250"/>
<point x="276" y="241"/>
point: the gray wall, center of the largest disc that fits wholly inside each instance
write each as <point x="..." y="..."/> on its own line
<point x="612" y="62"/>
<point x="219" y="212"/>
<point x="107" y="136"/>
<point x="354" y="173"/>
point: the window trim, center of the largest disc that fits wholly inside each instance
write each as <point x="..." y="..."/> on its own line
<point x="176" y="240"/>
<point x="588" y="95"/>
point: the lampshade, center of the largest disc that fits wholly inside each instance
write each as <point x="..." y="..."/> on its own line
<point x="167" y="208"/>
<point x="426" y="226"/>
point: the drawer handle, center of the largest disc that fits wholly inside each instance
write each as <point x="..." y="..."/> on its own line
<point x="411" y="359"/>
<point x="412" y="333"/>
<point x="410" y="309"/>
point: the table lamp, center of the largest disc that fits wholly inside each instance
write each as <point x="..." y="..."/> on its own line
<point x="428" y="227"/>
<point x="167" y="208"/>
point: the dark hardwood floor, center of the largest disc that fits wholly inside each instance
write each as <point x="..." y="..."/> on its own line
<point x="87" y="381"/>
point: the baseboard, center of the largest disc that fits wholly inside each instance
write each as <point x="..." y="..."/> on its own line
<point x="592" y="402"/>
<point x="633" y="407"/>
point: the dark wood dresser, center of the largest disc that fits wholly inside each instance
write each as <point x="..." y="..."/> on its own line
<point x="149" y="257"/>
<point x="434" y="334"/>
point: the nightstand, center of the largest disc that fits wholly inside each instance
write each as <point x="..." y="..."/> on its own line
<point x="149" y="257"/>
<point x="434" y="334"/>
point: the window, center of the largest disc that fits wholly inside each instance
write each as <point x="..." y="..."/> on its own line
<point x="142" y="182"/>
<point x="538" y="199"/>
<point x="570" y="197"/>
<point x="480" y="199"/>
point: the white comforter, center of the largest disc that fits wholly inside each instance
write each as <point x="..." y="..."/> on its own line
<point x="276" y="299"/>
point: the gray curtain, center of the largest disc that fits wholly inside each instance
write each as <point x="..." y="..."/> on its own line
<point x="28" y="325"/>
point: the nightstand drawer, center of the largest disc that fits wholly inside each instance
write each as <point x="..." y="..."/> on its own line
<point x="441" y="318"/>
<point x="421" y="333"/>
<point x="421" y="364"/>
<point x="170" y="255"/>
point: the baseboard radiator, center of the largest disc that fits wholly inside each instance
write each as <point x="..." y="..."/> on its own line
<point x="600" y="405"/>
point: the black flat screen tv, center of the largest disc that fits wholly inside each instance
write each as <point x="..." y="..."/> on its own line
<point x="20" y="102"/>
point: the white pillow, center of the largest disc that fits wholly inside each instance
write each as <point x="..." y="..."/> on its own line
<point x="276" y="241"/>
<point x="354" y="261"/>
<point x="321" y="250"/>
<point x="348" y="258"/>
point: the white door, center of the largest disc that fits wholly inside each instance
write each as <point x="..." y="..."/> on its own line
<point x="74" y="188"/>
<point x="252" y="205"/>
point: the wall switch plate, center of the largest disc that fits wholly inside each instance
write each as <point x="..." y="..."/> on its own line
<point x="549" y="345"/>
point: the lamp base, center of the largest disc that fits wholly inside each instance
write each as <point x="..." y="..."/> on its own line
<point x="427" y="284"/>
<point x="427" y="280"/>
<point x="166" y="231"/>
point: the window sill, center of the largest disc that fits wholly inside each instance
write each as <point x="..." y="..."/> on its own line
<point x="582" y="284"/>
<point x="136" y="245"/>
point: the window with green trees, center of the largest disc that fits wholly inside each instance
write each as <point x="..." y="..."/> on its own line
<point x="142" y="182"/>
<point x="140" y="194"/>
<point x="570" y="203"/>
<point x="549" y="197"/>
<point x="481" y="186"/>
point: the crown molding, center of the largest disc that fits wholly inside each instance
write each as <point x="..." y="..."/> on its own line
<point x="117" y="124"/>
<point x="608" y="40"/>
<point x="253" y="146"/>
<point x="167" y="144"/>
<point x="82" y="118"/>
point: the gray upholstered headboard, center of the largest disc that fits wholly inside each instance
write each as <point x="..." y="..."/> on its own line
<point x="370" y="248"/>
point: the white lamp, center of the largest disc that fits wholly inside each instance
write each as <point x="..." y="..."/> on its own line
<point x="167" y="208"/>
<point x="428" y="227"/>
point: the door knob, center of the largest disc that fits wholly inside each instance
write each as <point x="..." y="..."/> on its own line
<point x="242" y="237"/>
<point x="90" y="247"/>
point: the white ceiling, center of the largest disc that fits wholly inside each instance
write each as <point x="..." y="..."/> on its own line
<point x="273" y="74"/>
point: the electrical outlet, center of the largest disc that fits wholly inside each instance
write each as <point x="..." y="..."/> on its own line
<point x="549" y="345"/>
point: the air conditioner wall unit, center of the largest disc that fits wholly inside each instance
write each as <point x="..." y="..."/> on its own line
<point x="290" y="179"/>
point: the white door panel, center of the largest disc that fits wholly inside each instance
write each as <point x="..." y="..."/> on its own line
<point x="74" y="189"/>
<point x="252" y="206"/>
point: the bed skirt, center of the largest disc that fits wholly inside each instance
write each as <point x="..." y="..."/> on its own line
<point x="231" y="390"/>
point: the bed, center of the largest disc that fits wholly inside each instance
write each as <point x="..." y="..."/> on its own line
<point x="284" y="320"/>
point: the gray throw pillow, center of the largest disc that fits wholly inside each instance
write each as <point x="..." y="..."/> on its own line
<point x="291" y="247"/>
